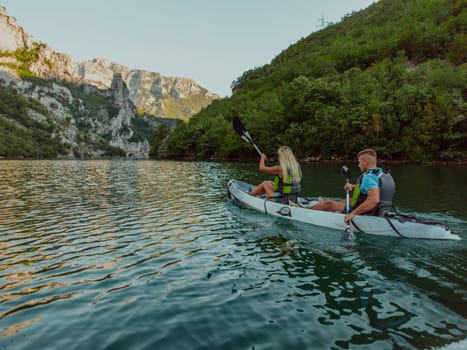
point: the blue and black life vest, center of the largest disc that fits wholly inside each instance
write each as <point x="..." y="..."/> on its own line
<point x="387" y="188"/>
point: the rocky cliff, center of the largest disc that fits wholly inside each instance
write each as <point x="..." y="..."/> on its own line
<point x="96" y="105"/>
<point x="88" y="121"/>
<point x="152" y="93"/>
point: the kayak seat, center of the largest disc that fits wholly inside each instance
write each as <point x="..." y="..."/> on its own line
<point x="286" y="198"/>
<point x="381" y="209"/>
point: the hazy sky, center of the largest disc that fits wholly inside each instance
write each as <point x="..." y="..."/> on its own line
<point x="210" y="41"/>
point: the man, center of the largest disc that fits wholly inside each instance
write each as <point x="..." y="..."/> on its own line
<point x="369" y="190"/>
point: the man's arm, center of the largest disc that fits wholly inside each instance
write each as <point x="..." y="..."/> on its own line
<point x="370" y="202"/>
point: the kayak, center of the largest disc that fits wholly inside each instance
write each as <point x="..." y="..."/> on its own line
<point x="394" y="224"/>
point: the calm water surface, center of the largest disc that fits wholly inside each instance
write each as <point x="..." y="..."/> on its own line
<point x="124" y="254"/>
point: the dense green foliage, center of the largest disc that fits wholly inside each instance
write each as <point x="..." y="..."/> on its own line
<point x="392" y="77"/>
<point x="151" y="128"/>
<point x="156" y="140"/>
<point x="23" y="136"/>
<point x="159" y="135"/>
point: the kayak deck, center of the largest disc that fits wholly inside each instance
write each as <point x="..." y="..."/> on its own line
<point x="392" y="224"/>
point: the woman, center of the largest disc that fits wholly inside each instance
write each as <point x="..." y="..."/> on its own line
<point x="286" y="184"/>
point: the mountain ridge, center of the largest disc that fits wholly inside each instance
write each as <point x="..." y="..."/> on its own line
<point x="151" y="92"/>
<point x="48" y="111"/>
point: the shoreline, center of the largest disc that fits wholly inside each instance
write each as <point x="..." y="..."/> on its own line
<point x="461" y="162"/>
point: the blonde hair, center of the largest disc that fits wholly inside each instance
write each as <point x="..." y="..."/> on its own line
<point x="289" y="164"/>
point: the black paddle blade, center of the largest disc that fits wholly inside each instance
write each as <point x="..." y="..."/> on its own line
<point x="346" y="172"/>
<point x="348" y="235"/>
<point x="244" y="134"/>
<point x="238" y="126"/>
<point x="241" y="130"/>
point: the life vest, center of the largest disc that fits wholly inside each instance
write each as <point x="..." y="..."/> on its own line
<point x="387" y="187"/>
<point x="287" y="186"/>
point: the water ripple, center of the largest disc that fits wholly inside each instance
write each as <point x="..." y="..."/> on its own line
<point x="120" y="254"/>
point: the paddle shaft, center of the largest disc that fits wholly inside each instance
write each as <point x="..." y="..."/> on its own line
<point x="347" y="198"/>
<point x="256" y="148"/>
<point x="348" y="235"/>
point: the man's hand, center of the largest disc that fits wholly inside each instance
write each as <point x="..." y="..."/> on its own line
<point x="370" y="202"/>
<point x="348" y="217"/>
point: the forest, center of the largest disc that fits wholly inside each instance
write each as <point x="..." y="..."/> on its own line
<point x="392" y="77"/>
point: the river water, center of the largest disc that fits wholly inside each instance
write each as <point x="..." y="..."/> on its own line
<point x="141" y="254"/>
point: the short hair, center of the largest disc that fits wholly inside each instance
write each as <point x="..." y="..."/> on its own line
<point x="369" y="153"/>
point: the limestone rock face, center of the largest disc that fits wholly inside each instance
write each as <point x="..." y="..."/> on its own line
<point x="95" y="102"/>
<point x="54" y="65"/>
<point x="12" y="36"/>
<point x="86" y="130"/>
<point x="152" y="93"/>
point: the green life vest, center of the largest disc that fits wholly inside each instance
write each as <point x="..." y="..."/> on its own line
<point x="287" y="186"/>
<point x="356" y="195"/>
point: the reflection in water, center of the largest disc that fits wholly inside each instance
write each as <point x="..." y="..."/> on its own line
<point x="124" y="253"/>
<point x="352" y="293"/>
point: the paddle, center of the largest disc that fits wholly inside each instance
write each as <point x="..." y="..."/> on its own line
<point x="348" y="234"/>
<point x="244" y="134"/>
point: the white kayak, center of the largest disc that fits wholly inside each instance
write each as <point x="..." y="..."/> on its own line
<point x="391" y="224"/>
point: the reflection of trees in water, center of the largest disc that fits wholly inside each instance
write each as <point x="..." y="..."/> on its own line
<point x="364" y="288"/>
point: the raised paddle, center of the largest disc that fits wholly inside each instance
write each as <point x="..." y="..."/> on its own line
<point x="348" y="234"/>
<point x="244" y="134"/>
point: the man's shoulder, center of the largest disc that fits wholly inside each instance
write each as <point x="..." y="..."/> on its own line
<point x="370" y="178"/>
<point x="374" y="171"/>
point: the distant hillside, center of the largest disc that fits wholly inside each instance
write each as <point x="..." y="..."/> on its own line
<point x="392" y="77"/>
<point x="151" y="93"/>
<point x="52" y="106"/>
